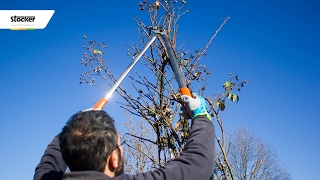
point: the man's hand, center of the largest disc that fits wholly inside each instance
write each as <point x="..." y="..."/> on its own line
<point x="195" y="106"/>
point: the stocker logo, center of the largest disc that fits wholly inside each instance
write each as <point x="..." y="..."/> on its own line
<point x="23" y="18"/>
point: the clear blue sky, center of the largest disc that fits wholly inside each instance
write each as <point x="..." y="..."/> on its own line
<point x="274" y="44"/>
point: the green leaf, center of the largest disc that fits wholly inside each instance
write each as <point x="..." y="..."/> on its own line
<point x="221" y="105"/>
<point x="229" y="95"/>
<point x="238" y="98"/>
<point x="226" y="85"/>
<point x="235" y="98"/>
<point x="97" y="51"/>
<point x="135" y="54"/>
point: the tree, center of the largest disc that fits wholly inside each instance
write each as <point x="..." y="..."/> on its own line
<point x="155" y="98"/>
<point x="251" y="159"/>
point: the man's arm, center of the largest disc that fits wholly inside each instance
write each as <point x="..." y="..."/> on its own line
<point x="197" y="158"/>
<point x="196" y="162"/>
<point x="52" y="165"/>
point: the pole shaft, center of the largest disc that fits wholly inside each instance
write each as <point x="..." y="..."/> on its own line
<point x="124" y="74"/>
<point x="174" y="64"/>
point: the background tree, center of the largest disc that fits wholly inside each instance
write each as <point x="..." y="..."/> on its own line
<point x="139" y="152"/>
<point x="251" y="159"/>
<point x="155" y="98"/>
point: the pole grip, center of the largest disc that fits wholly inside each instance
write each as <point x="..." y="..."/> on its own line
<point x="100" y="104"/>
<point x="185" y="91"/>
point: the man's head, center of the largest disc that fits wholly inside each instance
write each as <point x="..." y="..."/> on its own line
<point x="89" y="141"/>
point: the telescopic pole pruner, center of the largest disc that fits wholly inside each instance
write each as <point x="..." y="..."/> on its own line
<point x="173" y="61"/>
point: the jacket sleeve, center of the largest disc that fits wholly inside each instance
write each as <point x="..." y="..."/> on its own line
<point x="52" y="165"/>
<point x="196" y="160"/>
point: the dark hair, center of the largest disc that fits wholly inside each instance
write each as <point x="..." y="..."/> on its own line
<point x="87" y="140"/>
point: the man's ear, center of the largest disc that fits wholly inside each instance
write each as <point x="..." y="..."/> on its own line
<point x="113" y="161"/>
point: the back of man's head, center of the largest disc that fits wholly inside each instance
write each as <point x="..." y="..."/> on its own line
<point x="87" y="140"/>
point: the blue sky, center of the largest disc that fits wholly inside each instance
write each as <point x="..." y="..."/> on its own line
<point x="274" y="44"/>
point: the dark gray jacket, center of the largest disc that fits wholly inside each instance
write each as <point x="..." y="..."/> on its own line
<point x="196" y="162"/>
